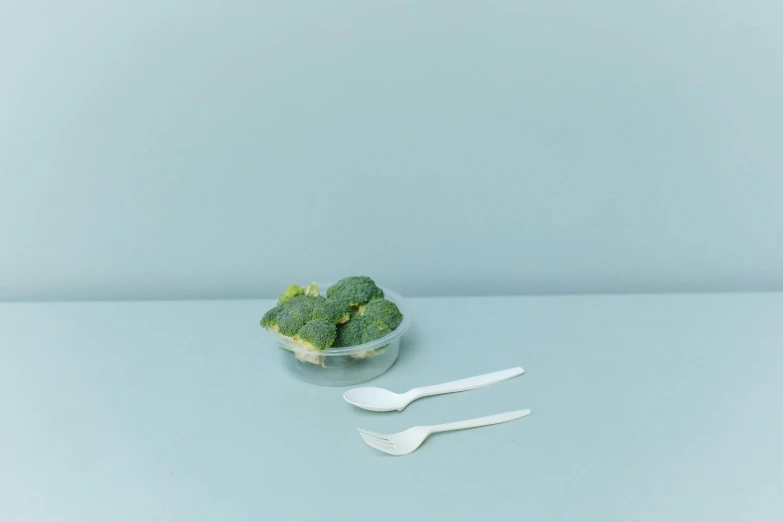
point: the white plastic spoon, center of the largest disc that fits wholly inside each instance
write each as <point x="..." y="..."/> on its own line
<point x="378" y="399"/>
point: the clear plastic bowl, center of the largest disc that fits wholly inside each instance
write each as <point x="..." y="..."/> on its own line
<point x="349" y="365"/>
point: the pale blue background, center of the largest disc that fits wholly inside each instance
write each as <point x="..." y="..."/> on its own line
<point x="169" y="149"/>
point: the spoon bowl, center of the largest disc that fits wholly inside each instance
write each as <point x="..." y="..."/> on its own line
<point x="376" y="399"/>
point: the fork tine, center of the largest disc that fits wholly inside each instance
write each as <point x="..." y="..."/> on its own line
<point x="385" y="449"/>
<point x="377" y="441"/>
<point x="373" y="434"/>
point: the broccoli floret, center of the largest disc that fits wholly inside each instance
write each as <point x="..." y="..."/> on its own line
<point x="360" y="330"/>
<point x="384" y="311"/>
<point x="344" y="309"/>
<point x="311" y="290"/>
<point x="367" y="331"/>
<point x="290" y="320"/>
<point x="374" y="330"/>
<point x="350" y="333"/>
<point x="332" y="310"/>
<point x="291" y="317"/>
<point x="355" y="291"/>
<point x="270" y="318"/>
<point x="317" y="335"/>
<point x="304" y="305"/>
<point x="290" y="292"/>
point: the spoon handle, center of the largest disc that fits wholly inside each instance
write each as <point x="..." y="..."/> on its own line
<point x="467" y="384"/>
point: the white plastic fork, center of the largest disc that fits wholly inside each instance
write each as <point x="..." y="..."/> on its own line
<point x="408" y="441"/>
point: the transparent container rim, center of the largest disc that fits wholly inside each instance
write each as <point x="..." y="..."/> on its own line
<point x="392" y="296"/>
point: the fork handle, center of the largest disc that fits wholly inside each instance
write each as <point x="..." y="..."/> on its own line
<point x="481" y="421"/>
<point x="466" y="384"/>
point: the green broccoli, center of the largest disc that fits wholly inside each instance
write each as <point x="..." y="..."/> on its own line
<point x="360" y="330"/>
<point x="353" y="313"/>
<point x="343" y="309"/>
<point x="350" y="333"/>
<point x="318" y="334"/>
<point x="332" y="310"/>
<point x="374" y="330"/>
<point x="384" y="311"/>
<point x="293" y="317"/>
<point x="270" y="318"/>
<point x="304" y="305"/>
<point x="356" y="291"/>
<point x="290" y="320"/>
<point x="290" y="292"/>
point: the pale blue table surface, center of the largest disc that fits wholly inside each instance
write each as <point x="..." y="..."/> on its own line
<point x="644" y="408"/>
